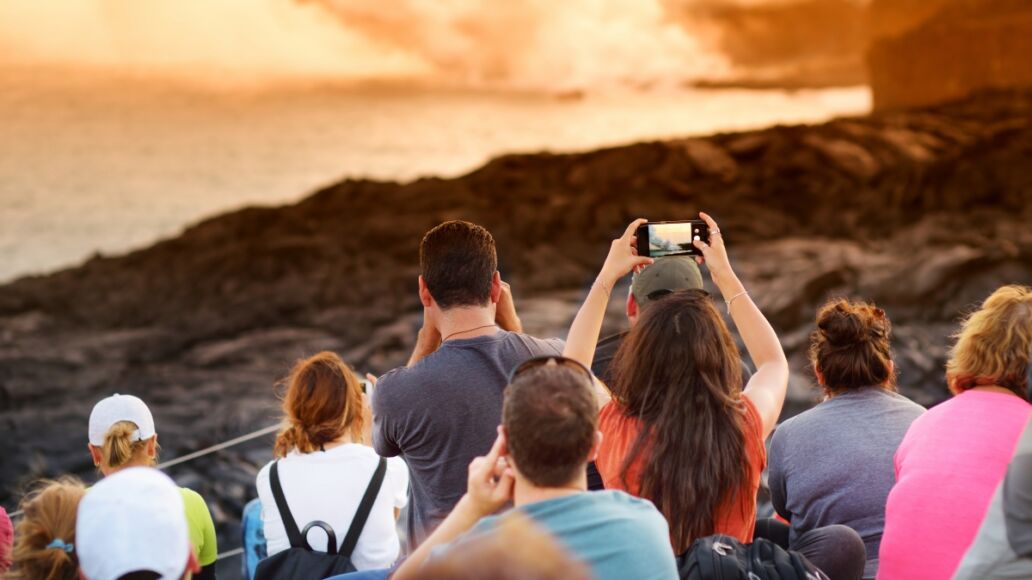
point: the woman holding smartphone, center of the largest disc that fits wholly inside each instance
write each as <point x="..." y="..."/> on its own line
<point x="679" y="429"/>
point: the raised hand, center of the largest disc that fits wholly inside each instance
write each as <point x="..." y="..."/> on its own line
<point x="505" y="311"/>
<point x="714" y="254"/>
<point x="490" y="480"/>
<point x="623" y="256"/>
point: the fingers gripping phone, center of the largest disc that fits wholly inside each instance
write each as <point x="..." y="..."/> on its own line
<point x="658" y="239"/>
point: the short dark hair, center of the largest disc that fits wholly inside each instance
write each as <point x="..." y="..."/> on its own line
<point x="550" y="417"/>
<point x="458" y="260"/>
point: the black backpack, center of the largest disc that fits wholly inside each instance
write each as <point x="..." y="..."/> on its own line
<point x="300" y="561"/>
<point x="723" y="557"/>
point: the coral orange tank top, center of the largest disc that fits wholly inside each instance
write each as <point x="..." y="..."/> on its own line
<point x="620" y="431"/>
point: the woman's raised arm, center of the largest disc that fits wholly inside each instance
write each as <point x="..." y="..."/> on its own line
<point x="769" y="385"/>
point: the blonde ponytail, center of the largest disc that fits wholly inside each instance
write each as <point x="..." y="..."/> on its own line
<point x="50" y="511"/>
<point x="119" y="447"/>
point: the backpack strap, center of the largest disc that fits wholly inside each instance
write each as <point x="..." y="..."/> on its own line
<point x="293" y="534"/>
<point x="364" y="508"/>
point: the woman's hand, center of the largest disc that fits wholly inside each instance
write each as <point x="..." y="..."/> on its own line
<point x="714" y="254"/>
<point x="623" y="256"/>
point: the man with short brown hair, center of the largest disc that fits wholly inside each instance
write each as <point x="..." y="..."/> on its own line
<point x="547" y="436"/>
<point x="441" y="410"/>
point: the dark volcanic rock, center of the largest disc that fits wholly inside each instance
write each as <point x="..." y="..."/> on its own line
<point x="924" y="212"/>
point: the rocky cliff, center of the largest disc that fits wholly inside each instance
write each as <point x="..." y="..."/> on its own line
<point x="930" y="51"/>
<point x="924" y="212"/>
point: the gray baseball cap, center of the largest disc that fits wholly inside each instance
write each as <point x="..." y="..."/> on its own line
<point x="668" y="273"/>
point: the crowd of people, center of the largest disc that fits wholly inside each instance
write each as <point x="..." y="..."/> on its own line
<point x="517" y="457"/>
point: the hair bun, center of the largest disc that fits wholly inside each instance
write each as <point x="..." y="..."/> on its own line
<point x="842" y="326"/>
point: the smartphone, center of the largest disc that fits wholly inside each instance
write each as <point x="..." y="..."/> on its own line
<point x="658" y="239"/>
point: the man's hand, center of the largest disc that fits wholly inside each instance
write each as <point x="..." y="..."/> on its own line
<point x="505" y="311"/>
<point x="427" y="341"/>
<point x="490" y="487"/>
<point x="490" y="482"/>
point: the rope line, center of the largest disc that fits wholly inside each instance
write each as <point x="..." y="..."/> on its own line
<point x="201" y="453"/>
<point x="229" y="554"/>
<point x="219" y="446"/>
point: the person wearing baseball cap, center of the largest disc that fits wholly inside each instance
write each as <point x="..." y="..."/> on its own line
<point x="132" y="525"/>
<point x="122" y="436"/>
<point x="662" y="277"/>
<point x="665" y="275"/>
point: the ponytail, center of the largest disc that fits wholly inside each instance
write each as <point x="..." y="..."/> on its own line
<point x="323" y="403"/>
<point x="119" y="448"/>
<point x="45" y="536"/>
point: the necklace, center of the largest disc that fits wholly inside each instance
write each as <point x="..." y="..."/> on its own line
<point x="467" y="330"/>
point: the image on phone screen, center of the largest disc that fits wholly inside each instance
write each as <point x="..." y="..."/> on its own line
<point x="672" y="239"/>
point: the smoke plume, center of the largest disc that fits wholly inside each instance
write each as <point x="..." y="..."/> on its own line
<point x="524" y="44"/>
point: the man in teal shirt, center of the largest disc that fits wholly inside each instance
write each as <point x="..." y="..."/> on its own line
<point x="548" y="434"/>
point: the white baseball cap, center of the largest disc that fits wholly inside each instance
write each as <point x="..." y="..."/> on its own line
<point x="120" y="408"/>
<point x="132" y="520"/>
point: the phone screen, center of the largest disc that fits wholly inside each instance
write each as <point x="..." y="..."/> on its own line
<point x="671" y="239"/>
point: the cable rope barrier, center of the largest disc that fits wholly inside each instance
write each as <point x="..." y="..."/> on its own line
<point x="201" y="453"/>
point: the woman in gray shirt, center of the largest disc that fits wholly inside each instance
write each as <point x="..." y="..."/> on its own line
<point x="833" y="464"/>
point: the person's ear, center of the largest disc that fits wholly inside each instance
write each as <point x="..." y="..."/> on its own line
<point x="496" y="287"/>
<point x="892" y="371"/>
<point x="593" y="454"/>
<point x="95" y="454"/>
<point x="424" y="293"/>
<point x="152" y="446"/>
<point x="819" y="374"/>
<point x="632" y="307"/>
<point x="504" y="435"/>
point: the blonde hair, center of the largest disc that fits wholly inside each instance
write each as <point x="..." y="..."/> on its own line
<point x="119" y="448"/>
<point x="323" y="402"/>
<point x="994" y="343"/>
<point x="49" y="515"/>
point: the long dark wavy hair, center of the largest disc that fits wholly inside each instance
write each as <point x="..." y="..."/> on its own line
<point x="679" y="373"/>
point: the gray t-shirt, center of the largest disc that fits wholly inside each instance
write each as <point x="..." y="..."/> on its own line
<point x="444" y="411"/>
<point x="833" y="464"/>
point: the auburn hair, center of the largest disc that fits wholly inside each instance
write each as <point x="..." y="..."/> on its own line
<point x="994" y="344"/>
<point x="679" y="373"/>
<point x="850" y="346"/>
<point x="49" y="514"/>
<point x="322" y="403"/>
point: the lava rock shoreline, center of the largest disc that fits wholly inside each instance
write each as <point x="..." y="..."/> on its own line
<point x="923" y="211"/>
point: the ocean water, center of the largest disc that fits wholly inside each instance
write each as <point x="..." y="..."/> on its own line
<point x="93" y="162"/>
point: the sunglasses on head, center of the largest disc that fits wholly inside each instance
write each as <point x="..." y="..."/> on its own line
<point x="553" y="360"/>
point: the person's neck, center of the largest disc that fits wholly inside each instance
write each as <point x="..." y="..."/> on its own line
<point x="525" y="492"/>
<point x="994" y="389"/>
<point x="342" y="440"/>
<point x="129" y="465"/>
<point x="467" y="322"/>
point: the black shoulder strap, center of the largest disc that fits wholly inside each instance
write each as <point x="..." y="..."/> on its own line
<point x="364" y="508"/>
<point x="293" y="534"/>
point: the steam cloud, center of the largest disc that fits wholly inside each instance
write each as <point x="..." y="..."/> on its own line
<point x="534" y="44"/>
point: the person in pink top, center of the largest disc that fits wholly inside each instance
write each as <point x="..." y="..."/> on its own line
<point x="954" y="456"/>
